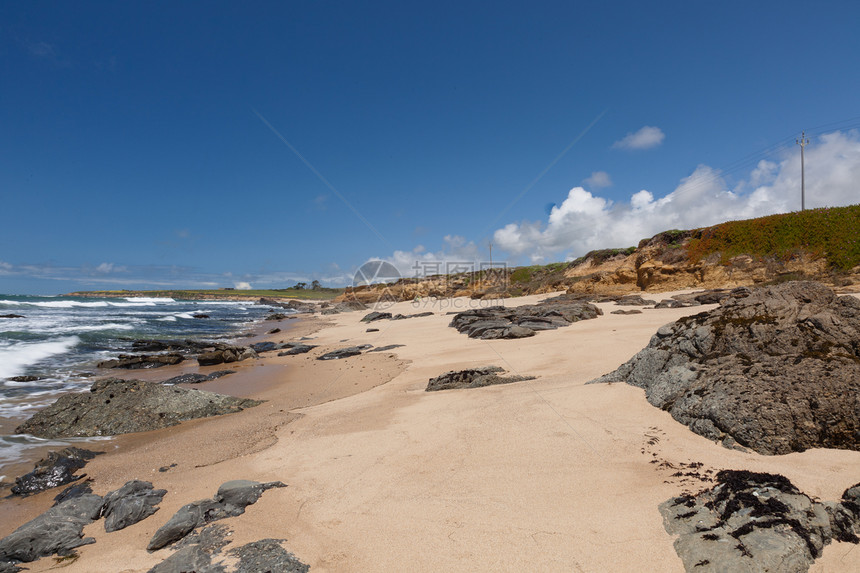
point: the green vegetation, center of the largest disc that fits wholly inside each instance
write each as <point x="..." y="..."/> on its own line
<point x="832" y="233"/>
<point x="602" y="255"/>
<point x="319" y="294"/>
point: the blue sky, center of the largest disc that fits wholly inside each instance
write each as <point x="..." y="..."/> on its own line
<point x="142" y="144"/>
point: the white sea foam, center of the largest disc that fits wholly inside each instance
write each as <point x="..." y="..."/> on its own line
<point x="57" y="304"/>
<point x="150" y="299"/>
<point x="167" y="319"/>
<point x="14" y="358"/>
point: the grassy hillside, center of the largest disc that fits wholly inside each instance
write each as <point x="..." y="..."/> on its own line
<point x="832" y="233"/>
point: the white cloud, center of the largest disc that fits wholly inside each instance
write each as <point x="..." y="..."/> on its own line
<point x="646" y="138"/>
<point x="584" y="221"/>
<point x="104" y="268"/>
<point x="242" y="285"/>
<point x="458" y="255"/>
<point x="597" y="180"/>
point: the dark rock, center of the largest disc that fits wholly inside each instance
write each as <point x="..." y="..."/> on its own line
<point x="295" y="305"/>
<point x="25" y="378"/>
<point x="196" y="378"/>
<point x="372" y="330"/>
<point x="267" y="555"/>
<point x="276" y="316"/>
<point x="296" y="348"/>
<point x="500" y="322"/>
<point x="672" y="303"/>
<point x="634" y="300"/>
<point x="777" y="370"/>
<point x="11" y="316"/>
<point x="196" y="551"/>
<point x="73" y="491"/>
<point x="386" y="348"/>
<point x="142" y="361"/>
<point x="163" y="469"/>
<point x="231" y="500"/>
<point x="274" y="331"/>
<point x="341" y="353"/>
<point x="133" y="502"/>
<point x="114" y="406"/>
<point x="373" y="316"/>
<point x="55" y="470"/>
<point x="634" y="311"/>
<point x="181" y="346"/>
<point x="264" y="347"/>
<point x="57" y="531"/>
<point x="755" y="522"/>
<point x="200" y="316"/>
<point x="472" y="378"/>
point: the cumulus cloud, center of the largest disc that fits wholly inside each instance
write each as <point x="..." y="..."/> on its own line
<point x="242" y="285"/>
<point x="457" y="255"/>
<point x="646" y="138"/>
<point x="597" y="180"/>
<point x="585" y="221"/>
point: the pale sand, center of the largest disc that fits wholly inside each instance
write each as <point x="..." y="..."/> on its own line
<point x="545" y="475"/>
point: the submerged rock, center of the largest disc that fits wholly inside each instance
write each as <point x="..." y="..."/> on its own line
<point x="522" y="321"/>
<point x="231" y="500"/>
<point x="776" y="369"/>
<point x="757" y="522"/>
<point x="57" y="469"/>
<point x="114" y="406"/>
<point x="472" y="378"/>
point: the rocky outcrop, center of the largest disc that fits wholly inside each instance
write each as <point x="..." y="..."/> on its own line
<point x="231" y="500"/>
<point x="757" y="522"/>
<point x="133" y="502"/>
<point x="196" y="378"/>
<point x="11" y="316"/>
<point x="472" y="378"/>
<point x="777" y="369"/>
<point x="225" y="355"/>
<point x="203" y="552"/>
<point x="296" y="348"/>
<point x="142" y="361"/>
<point x="344" y="352"/>
<point x="57" y="469"/>
<point x="521" y="321"/>
<point x="114" y="406"/>
<point x="57" y="531"/>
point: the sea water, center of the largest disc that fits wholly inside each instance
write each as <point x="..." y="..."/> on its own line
<point x="59" y="340"/>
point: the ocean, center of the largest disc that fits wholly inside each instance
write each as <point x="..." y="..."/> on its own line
<point x="56" y="343"/>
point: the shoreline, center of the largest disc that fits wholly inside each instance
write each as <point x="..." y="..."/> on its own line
<point x="548" y="474"/>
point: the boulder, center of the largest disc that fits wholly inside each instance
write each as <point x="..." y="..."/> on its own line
<point x="264" y="347"/>
<point x="472" y="378"/>
<point x="756" y="522"/>
<point x="225" y="355"/>
<point x="57" y="531"/>
<point x="776" y="369"/>
<point x="57" y="469"/>
<point x="114" y="406"/>
<point x="374" y="316"/>
<point x="133" y="502"/>
<point x="634" y="300"/>
<point x="231" y="500"/>
<point x="142" y="361"/>
<point x="501" y="322"/>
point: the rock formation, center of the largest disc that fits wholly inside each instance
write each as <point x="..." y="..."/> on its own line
<point x="756" y="522"/>
<point x="231" y="500"/>
<point x="114" y="406"/>
<point x="521" y="321"/>
<point x="472" y="378"/>
<point x="777" y="369"/>
<point x="57" y="469"/>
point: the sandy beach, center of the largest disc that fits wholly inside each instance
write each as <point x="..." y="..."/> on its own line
<point x="549" y="474"/>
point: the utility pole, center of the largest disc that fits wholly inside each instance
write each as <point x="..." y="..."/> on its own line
<point x="490" y="244"/>
<point x="802" y="142"/>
